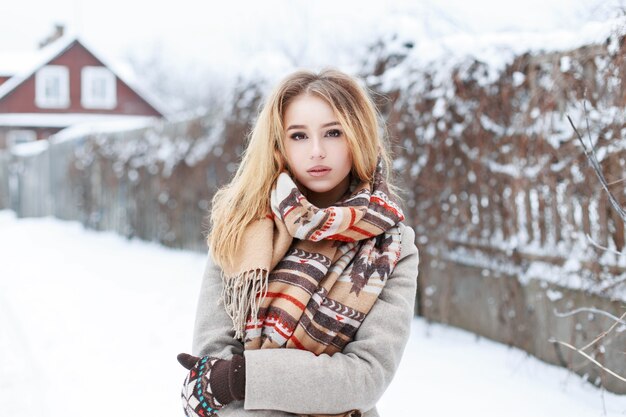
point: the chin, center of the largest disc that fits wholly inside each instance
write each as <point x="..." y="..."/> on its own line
<point x="319" y="190"/>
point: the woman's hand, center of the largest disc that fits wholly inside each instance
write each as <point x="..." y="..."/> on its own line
<point x="211" y="383"/>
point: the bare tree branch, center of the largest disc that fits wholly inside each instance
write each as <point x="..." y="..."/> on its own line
<point x="617" y="181"/>
<point x="593" y="161"/>
<point x="592" y="158"/>
<point x="599" y="246"/>
<point x="591" y="310"/>
<point x="621" y="378"/>
<point x="601" y="335"/>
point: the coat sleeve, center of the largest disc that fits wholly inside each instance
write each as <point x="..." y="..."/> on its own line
<point x="298" y="381"/>
<point x="214" y="335"/>
<point x="213" y="330"/>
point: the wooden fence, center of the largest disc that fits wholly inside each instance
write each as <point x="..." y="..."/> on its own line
<point x="154" y="183"/>
<point x="4" y="180"/>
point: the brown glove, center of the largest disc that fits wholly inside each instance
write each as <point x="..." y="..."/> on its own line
<point x="211" y="383"/>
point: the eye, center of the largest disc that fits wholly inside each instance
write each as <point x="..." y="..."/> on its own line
<point x="335" y="133"/>
<point x="297" y="136"/>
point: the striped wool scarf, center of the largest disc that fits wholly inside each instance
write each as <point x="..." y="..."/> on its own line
<point x="308" y="276"/>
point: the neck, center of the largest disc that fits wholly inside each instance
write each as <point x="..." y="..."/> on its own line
<point x="330" y="197"/>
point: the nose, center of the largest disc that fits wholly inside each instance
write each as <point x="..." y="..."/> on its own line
<point x="317" y="148"/>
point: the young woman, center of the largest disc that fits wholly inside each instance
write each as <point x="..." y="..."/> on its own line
<point x="308" y="295"/>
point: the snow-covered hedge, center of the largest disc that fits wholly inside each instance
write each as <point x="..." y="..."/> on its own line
<point x="495" y="176"/>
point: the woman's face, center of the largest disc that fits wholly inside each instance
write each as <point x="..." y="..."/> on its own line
<point x="317" y="150"/>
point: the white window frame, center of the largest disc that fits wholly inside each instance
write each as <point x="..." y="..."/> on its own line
<point x="51" y="74"/>
<point x="17" y="136"/>
<point x="88" y="76"/>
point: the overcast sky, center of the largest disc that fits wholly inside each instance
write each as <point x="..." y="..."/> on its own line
<point x="194" y="29"/>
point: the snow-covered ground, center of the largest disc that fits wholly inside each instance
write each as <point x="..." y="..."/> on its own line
<point x="90" y="324"/>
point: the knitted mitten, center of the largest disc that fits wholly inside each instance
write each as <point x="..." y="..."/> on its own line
<point x="211" y="383"/>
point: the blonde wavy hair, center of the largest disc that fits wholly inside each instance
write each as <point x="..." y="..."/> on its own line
<point x="246" y="198"/>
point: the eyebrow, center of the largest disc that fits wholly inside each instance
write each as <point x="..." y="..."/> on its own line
<point x="304" y="126"/>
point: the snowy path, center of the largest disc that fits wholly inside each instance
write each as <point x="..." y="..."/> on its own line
<point x="90" y="324"/>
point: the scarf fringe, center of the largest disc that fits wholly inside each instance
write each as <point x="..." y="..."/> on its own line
<point x="239" y="296"/>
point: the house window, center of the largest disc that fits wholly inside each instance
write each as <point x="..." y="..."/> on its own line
<point x="98" y="88"/>
<point x="15" y="137"/>
<point x="52" y="87"/>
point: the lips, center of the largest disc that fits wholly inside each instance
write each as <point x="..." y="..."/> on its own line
<point x="319" y="169"/>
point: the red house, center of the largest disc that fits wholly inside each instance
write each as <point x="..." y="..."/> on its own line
<point x="66" y="85"/>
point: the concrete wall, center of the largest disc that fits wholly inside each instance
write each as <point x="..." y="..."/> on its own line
<point x="498" y="306"/>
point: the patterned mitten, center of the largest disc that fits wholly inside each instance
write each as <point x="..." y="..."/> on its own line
<point x="211" y="383"/>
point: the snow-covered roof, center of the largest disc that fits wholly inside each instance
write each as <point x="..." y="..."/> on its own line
<point x="44" y="56"/>
<point x="124" y="73"/>
<point x="62" y="120"/>
<point x="26" y="65"/>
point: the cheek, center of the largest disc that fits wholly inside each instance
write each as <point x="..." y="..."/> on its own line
<point x="293" y="159"/>
<point x="345" y="154"/>
<point x="289" y="152"/>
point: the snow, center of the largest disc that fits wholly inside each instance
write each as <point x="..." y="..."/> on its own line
<point x="570" y="275"/>
<point x="93" y="325"/>
<point x="497" y="49"/>
<point x="30" y="148"/>
<point x="104" y="125"/>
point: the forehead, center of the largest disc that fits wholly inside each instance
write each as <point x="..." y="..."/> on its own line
<point x="309" y="109"/>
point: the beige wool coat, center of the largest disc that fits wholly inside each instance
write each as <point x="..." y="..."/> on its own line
<point x="285" y="382"/>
